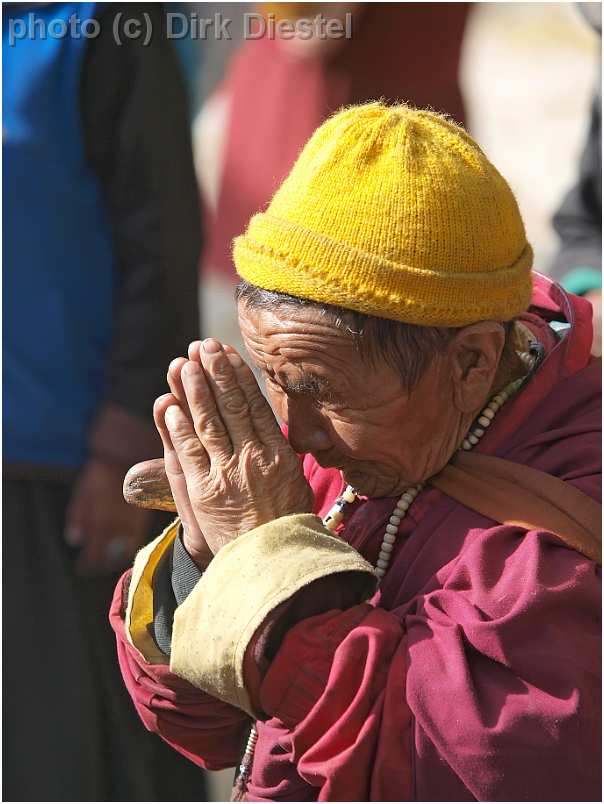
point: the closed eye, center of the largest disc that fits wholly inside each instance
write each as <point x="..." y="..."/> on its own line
<point x="315" y="389"/>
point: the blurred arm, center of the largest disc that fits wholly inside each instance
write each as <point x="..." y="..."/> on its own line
<point x="136" y="122"/>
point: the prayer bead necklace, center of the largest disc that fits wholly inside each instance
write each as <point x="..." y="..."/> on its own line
<point x="335" y="515"/>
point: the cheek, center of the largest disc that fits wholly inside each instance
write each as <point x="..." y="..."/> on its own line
<point x="363" y="436"/>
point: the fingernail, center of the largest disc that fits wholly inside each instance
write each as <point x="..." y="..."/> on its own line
<point x="193" y="348"/>
<point x="212" y="346"/>
<point x="171" y="417"/>
<point x="234" y="359"/>
<point x="174" y="364"/>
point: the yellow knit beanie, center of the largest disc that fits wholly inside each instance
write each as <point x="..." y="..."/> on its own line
<point x="394" y="212"/>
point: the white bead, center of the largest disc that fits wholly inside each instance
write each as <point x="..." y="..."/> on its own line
<point x="401" y="507"/>
<point x="466" y="444"/>
<point x="389" y="538"/>
<point x="473" y="439"/>
<point x="395" y="520"/>
<point x="393" y="529"/>
<point x="384" y="556"/>
<point x="386" y="548"/>
<point x="494" y="406"/>
<point x="382" y="564"/>
<point x="380" y="572"/>
<point x="408" y="498"/>
<point x="479" y="432"/>
<point x="488" y="413"/>
<point x="349" y="496"/>
<point x="483" y="421"/>
<point x="500" y="398"/>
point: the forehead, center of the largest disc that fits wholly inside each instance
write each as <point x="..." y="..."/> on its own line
<point x="296" y="337"/>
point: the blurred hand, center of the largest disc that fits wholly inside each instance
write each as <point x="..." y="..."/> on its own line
<point x="100" y="522"/>
<point x="595" y="297"/>
<point x="229" y="466"/>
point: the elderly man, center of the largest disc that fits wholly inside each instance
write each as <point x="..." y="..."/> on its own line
<point x="436" y="635"/>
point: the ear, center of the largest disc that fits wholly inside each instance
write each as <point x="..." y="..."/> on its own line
<point x="474" y="354"/>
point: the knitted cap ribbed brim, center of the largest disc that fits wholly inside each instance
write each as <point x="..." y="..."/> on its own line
<point x="396" y="213"/>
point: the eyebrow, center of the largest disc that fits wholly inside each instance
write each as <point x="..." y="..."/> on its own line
<point x="310" y="384"/>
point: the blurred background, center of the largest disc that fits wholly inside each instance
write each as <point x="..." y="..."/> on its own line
<point x="128" y="168"/>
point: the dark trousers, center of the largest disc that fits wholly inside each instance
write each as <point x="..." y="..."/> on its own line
<point x="70" y="729"/>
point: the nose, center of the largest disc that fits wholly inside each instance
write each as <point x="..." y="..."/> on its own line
<point x="306" y="430"/>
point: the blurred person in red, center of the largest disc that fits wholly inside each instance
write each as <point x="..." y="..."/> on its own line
<point x="277" y="91"/>
<point x="101" y="237"/>
<point x="578" y="220"/>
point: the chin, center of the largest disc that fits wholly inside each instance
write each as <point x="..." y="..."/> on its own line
<point x="372" y="486"/>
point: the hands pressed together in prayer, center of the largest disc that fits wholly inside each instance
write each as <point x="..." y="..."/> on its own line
<point x="229" y="466"/>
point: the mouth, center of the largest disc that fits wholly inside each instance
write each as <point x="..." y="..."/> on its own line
<point x="328" y="462"/>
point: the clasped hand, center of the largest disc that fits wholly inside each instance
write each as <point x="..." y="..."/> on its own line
<point x="229" y="466"/>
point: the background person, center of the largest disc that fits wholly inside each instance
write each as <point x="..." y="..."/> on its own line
<point x="101" y="242"/>
<point x="578" y="221"/>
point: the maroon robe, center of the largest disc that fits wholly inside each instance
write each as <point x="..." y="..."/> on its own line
<point x="475" y="671"/>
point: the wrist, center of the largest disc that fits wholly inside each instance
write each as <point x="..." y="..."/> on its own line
<point x="200" y="555"/>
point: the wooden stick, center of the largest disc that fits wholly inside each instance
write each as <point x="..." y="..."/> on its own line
<point x="146" y="486"/>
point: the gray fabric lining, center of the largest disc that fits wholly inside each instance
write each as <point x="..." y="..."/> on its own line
<point x="173" y="581"/>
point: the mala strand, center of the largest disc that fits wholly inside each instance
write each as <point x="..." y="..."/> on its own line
<point x="335" y="515"/>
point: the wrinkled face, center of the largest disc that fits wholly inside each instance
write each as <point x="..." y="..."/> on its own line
<point x="356" y="416"/>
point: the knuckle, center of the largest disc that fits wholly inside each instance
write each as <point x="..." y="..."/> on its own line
<point x="235" y="403"/>
<point x="259" y="407"/>
<point x="179" y="430"/>
<point x="266" y="419"/>
<point x="192" y="448"/>
<point x="210" y="426"/>
<point x="222" y="369"/>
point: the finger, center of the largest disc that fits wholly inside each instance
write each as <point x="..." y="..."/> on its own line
<point x="230" y="399"/>
<point x="209" y="426"/>
<point x="191" y="453"/>
<point x="193" y="350"/>
<point x="174" y="377"/>
<point x="174" y="472"/>
<point x="263" y="419"/>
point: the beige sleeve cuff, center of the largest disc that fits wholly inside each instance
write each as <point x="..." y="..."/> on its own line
<point x="139" y="612"/>
<point x="246" y="580"/>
